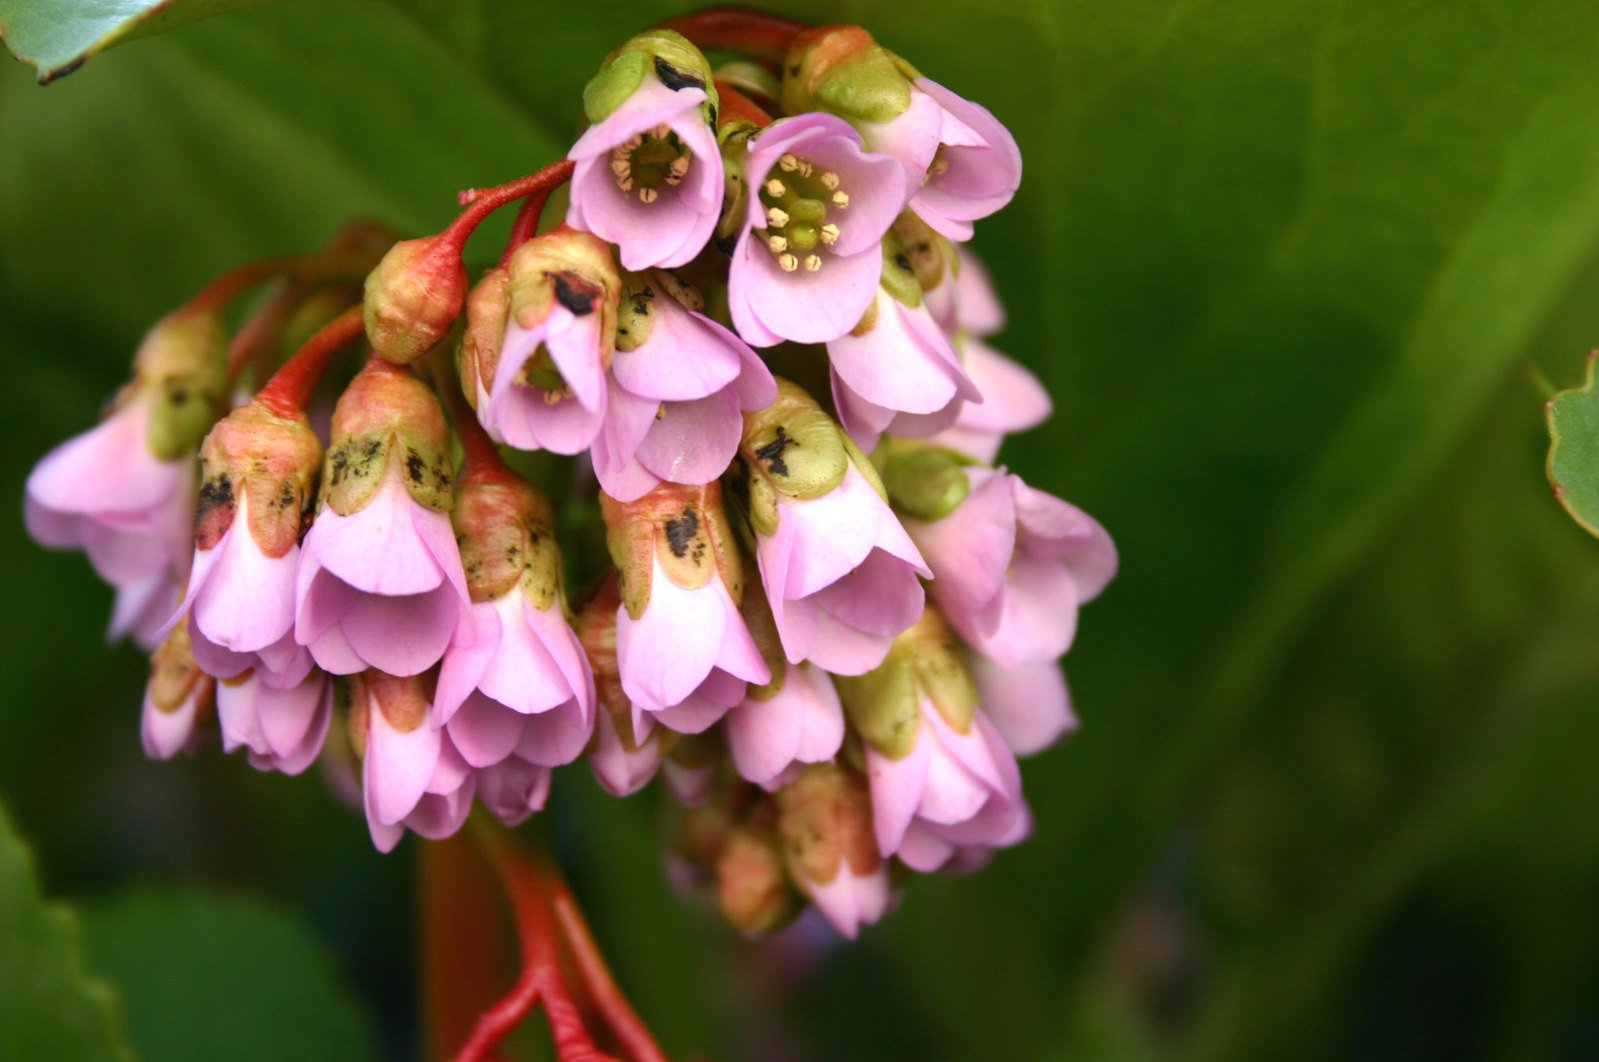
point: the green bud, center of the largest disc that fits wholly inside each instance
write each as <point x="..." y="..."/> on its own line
<point x="841" y="69"/>
<point x="667" y="56"/>
<point x="884" y="705"/>
<point x="924" y="481"/>
<point x="183" y="363"/>
<point x="794" y="446"/>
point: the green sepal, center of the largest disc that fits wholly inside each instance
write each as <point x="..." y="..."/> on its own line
<point x="926" y="482"/>
<point x="1573" y="418"/>
<point x="183" y="362"/>
<point x="866" y="87"/>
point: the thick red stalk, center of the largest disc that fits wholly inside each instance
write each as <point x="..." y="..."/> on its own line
<point x="480" y="204"/>
<point x="736" y="105"/>
<point x="291" y="386"/>
<point x="628" y="1027"/>
<point x="230" y="285"/>
<point x="729" y="28"/>
<point x="527" y="219"/>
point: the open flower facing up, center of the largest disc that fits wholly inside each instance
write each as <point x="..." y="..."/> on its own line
<point x="380" y="582"/>
<point x="678" y="385"/>
<point x="807" y="261"/>
<point x="257" y="474"/>
<point x="839" y="571"/>
<point x="682" y="648"/>
<point x="1012" y="564"/>
<point x="543" y="383"/>
<point x="649" y="173"/>
<point x="519" y="699"/>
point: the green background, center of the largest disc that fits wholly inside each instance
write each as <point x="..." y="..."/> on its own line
<point x="1283" y="264"/>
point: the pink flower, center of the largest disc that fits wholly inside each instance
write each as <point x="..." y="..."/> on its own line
<point x="825" y="819"/>
<point x="177" y="699"/>
<point x="380" y="583"/>
<point x="1028" y="704"/>
<point x="975" y="171"/>
<point x="282" y="728"/>
<point x="106" y="493"/>
<point x="806" y="265"/>
<point x="412" y="777"/>
<point x="258" y="471"/>
<point x="682" y="648"/>
<point x="770" y="732"/>
<point x="1013" y="401"/>
<point x="1012" y="564"/>
<point x="626" y="751"/>
<point x="649" y="175"/>
<point x="954" y="791"/>
<point x="513" y="789"/>
<point x="143" y="608"/>
<point x="900" y="375"/>
<point x="677" y="387"/>
<point x="547" y="389"/>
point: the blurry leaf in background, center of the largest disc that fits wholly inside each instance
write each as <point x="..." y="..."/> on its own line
<point x="58" y="36"/>
<point x="1278" y="262"/>
<point x="1574" y="450"/>
<point x="50" y="1006"/>
<point x="206" y="976"/>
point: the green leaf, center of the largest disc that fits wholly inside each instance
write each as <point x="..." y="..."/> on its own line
<point x="1574" y="450"/>
<point x="205" y="976"/>
<point x="56" y="37"/>
<point x="50" y="1007"/>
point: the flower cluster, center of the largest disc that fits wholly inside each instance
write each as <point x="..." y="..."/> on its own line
<point x="828" y="620"/>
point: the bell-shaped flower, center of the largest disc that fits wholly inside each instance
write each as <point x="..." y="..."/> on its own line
<point x="178" y="699"/>
<point x="541" y="386"/>
<point x="257" y="474"/>
<point x="825" y="819"/>
<point x="807" y="260"/>
<point x="839" y="571"/>
<point x="522" y="690"/>
<point x="942" y="780"/>
<point x="626" y="750"/>
<point x="975" y="170"/>
<point x="677" y="385"/>
<point x="683" y="651"/>
<point x="124" y="491"/>
<point x="380" y="582"/>
<point x="283" y="729"/>
<point x="649" y="174"/>
<point x="897" y="371"/>
<point x="1029" y="704"/>
<point x="1012" y="564"/>
<point x="412" y="777"/>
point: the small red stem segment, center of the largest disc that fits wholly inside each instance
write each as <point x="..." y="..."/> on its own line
<point x="527" y="219"/>
<point x="290" y="387"/>
<point x="736" y="106"/>
<point x="730" y="28"/>
<point x="480" y="204"/>
<point x="230" y="285"/>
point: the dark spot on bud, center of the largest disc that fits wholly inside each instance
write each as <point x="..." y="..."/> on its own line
<point x="575" y="296"/>
<point x="681" y="531"/>
<point x="341" y="465"/>
<point x="286" y="496"/>
<point x="215" y="510"/>
<point x="675" y="79"/>
<point x="793" y="71"/>
<point x="713" y="115"/>
<point x="772" y="452"/>
<point x="903" y="262"/>
<point x="414" y="467"/>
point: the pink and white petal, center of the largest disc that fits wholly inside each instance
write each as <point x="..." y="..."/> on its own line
<point x="247" y="603"/>
<point x="838" y="648"/>
<point x="141" y="610"/>
<point x="703" y="708"/>
<point x="485" y="731"/>
<point x="523" y="676"/>
<point x="687" y="356"/>
<point x="464" y="666"/>
<point x="401" y="635"/>
<point x="912" y="137"/>
<point x="1029" y="705"/>
<point x="904" y="363"/>
<point x="980" y="311"/>
<point x="397" y="766"/>
<point x="693" y="442"/>
<point x="1062" y="532"/>
<point x="923" y="850"/>
<point x="561" y="642"/>
<point x="970" y="549"/>
<point x="441" y="815"/>
<point x="669" y="650"/>
<point x="377" y="549"/>
<point x="803" y="306"/>
<point x="823" y="732"/>
<point x="557" y="736"/>
<point x="619" y="771"/>
<point x="897" y="787"/>
<point x="883" y="596"/>
<point x="649" y="105"/>
<point x="514" y="790"/>
<point x="1035" y="618"/>
<point x="107" y="469"/>
<point x="574" y="342"/>
<point x="1013" y="399"/>
<point x="763" y="736"/>
<point x="850" y="902"/>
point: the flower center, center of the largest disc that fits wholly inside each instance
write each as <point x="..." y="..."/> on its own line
<point x="539" y="372"/>
<point x="645" y="162"/>
<point x="798" y="201"/>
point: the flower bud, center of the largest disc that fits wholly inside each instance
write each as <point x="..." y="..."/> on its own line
<point x="841" y="69"/>
<point x="413" y="297"/>
<point x="681" y="528"/>
<point x="177" y="700"/>
<point x="792" y="448"/>
<point x="825" y="819"/>
<point x="506" y="530"/>
<point x="667" y="56"/>
<point x="478" y="354"/>
<point x="182" y="364"/>
<point x="623" y="757"/>
<point x="387" y="413"/>
<point x="753" y="890"/>
<point x="922" y="481"/>
<point x="271" y="459"/>
<point x="884" y="705"/>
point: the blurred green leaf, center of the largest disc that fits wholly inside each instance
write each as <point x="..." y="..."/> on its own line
<point x="1574" y="451"/>
<point x="50" y="1007"/>
<point x="58" y="36"/>
<point x="206" y="976"/>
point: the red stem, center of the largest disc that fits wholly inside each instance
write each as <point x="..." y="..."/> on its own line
<point x="602" y="988"/>
<point x="480" y="204"/>
<point x="739" y="106"/>
<point x="729" y="28"/>
<point x="483" y="462"/>
<point x="227" y="287"/>
<point x="291" y="386"/>
<point x="527" y="219"/>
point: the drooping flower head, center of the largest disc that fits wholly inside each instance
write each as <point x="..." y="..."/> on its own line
<point x="649" y="174"/>
<point x="380" y="582"/>
<point x="412" y="777"/>
<point x="839" y="572"/>
<point x="807" y="260"/>
<point x="542" y="386"/>
<point x="678" y="385"/>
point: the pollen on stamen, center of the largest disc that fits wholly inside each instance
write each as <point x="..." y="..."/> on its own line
<point x="788" y="262"/>
<point x="660" y="132"/>
<point x="625" y="184"/>
<point x="621" y="167"/>
<point x="648" y="195"/>
<point x="775" y="187"/>
<point x="829" y="180"/>
<point x="788" y="163"/>
<point x="830" y="234"/>
<point x="776" y="244"/>
<point x="813" y="263"/>
<point x="841" y="199"/>
<point x="776" y="217"/>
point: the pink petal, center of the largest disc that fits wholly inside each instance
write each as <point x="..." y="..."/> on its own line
<point x="485" y="731"/>
<point x="687" y="356"/>
<point x="849" y="902"/>
<point x="667" y="652"/>
<point x="557" y="736"/>
<point x="397" y="766"/>
<point x="904" y="363"/>
<point x="769" y="305"/>
<point x="1059" y="530"/>
<point x="1029" y="705"/>
<point x="897" y="787"/>
<point x="694" y="442"/>
<point x="378" y="549"/>
<point x="970" y="549"/>
<point x="401" y="635"/>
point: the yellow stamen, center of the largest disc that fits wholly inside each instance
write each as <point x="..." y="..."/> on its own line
<point x="813" y="263"/>
<point x="776" y="244"/>
<point x="829" y="234"/>
<point x="775" y="188"/>
<point x="841" y="199"/>
<point x="648" y="195"/>
<point x="788" y="163"/>
<point x="776" y="217"/>
<point x="830" y="180"/>
<point x="788" y="262"/>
